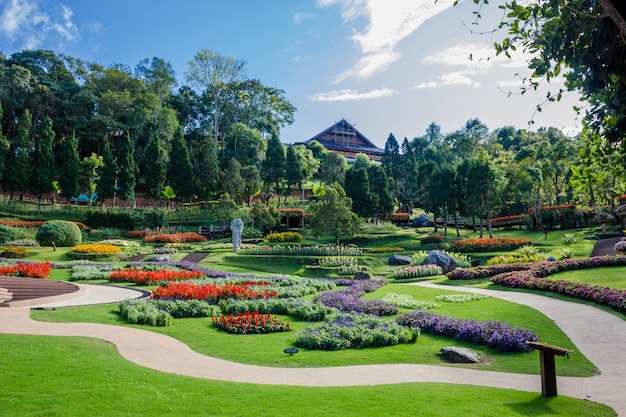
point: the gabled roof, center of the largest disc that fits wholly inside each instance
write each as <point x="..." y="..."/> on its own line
<point x="342" y="136"/>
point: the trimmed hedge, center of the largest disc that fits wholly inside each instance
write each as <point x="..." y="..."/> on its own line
<point x="59" y="233"/>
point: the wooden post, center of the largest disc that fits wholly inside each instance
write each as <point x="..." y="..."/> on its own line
<point x="548" y="367"/>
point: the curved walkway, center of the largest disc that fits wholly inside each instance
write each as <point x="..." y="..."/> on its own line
<point x="598" y="335"/>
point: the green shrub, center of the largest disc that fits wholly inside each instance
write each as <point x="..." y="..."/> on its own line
<point x="8" y="234"/>
<point x="109" y="219"/>
<point x="431" y="239"/>
<point x="284" y="237"/>
<point x="59" y="233"/>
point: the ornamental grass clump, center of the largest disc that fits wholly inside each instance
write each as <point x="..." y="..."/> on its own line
<point x="349" y="331"/>
<point x="407" y="301"/>
<point x="417" y="271"/>
<point x="250" y="323"/>
<point x="494" y="334"/>
<point x="333" y="262"/>
<point x="377" y="227"/>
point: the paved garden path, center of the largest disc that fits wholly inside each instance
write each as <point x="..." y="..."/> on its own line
<point x="599" y="335"/>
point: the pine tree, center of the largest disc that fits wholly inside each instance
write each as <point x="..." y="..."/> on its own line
<point x="232" y="181"/>
<point x="273" y="172"/>
<point x="357" y="187"/>
<point x="17" y="167"/>
<point x="127" y="169"/>
<point x="392" y="162"/>
<point x="108" y="175"/>
<point x="294" y="173"/>
<point x="155" y="171"/>
<point x="180" y="169"/>
<point x="69" y="172"/>
<point x="379" y="187"/>
<point x="43" y="161"/>
<point x="207" y="178"/>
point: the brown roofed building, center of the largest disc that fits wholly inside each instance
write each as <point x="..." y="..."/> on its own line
<point x="344" y="139"/>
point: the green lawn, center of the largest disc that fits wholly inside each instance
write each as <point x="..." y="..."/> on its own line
<point x="69" y="376"/>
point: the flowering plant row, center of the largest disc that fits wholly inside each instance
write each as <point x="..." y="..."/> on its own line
<point x="208" y="292"/>
<point x="143" y="277"/>
<point x="488" y="244"/>
<point x="346" y="331"/>
<point x="332" y="261"/>
<point x="417" y="271"/>
<point x="461" y="298"/>
<point x="175" y="238"/>
<point x="431" y="239"/>
<point x="554" y="208"/>
<point x="301" y="250"/>
<point x="509" y="220"/>
<point x="385" y="249"/>
<point x="494" y="334"/>
<point x="407" y="301"/>
<point x="29" y="224"/>
<point x="35" y="270"/>
<point x="161" y="312"/>
<point x="349" y="299"/>
<point x="295" y="307"/>
<point x="608" y="296"/>
<point x="250" y="323"/>
<point x="14" y="252"/>
<point x="96" y="248"/>
<point x="284" y="237"/>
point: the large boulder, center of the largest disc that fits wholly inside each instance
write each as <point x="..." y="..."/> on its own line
<point x="421" y="221"/>
<point x="400" y="260"/>
<point x="361" y="275"/>
<point x="455" y="354"/>
<point x="442" y="259"/>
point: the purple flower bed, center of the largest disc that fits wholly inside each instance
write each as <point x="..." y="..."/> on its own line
<point x="349" y="299"/>
<point x="608" y="296"/>
<point x="494" y="334"/>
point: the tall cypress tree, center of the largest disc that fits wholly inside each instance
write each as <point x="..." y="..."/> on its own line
<point x="69" y="171"/>
<point x="17" y="167"/>
<point x="293" y="169"/>
<point x="358" y="189"/>
<point x="155" y="171"/>
<point x="274" y="164"/>
<point x="181" y="169"/>
<point x="208" y="173"/>
<point x="108" y="176"/>
<point x="127" y="168"/>
<point x="43" y="161"/>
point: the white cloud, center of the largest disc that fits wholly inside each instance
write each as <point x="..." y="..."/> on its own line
<point x="25" y="22"/>
<point x="389" y="22"/>
<point x="298" y="17"/>
<point x="452" y="78"/>
<point x="351" y="95"/>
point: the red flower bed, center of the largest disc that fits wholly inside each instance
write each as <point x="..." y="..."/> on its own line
<point x="38" y="270"/>
<point x="488" y="244"/>
<point x="140" y="277"/>
<point x="552" y="208"/>
<point x="136" y="234"/>
<point x="209" y="292"/>
<point x="250" y="323"/>
<point x="508" y="220"/>
<point x="175" y="238"/>
<point x="22" y="223"/>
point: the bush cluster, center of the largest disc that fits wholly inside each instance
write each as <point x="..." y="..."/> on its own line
<point x="346" y="331"/>
<point x="417" y="271"/>
<point x="161" y="312"/>
<point x="284" y="237"/>
<point x="102" y="219"/>
<point x="431" y="239"/>
<point x="59" y="233"/>
<point x="494" y="334"/>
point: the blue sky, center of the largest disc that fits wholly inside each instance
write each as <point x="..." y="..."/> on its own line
<point x="386" y="66"/>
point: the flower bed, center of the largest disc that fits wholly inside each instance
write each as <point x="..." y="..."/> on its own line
<point x="294" y="307"/>
<point x="385" y="249"/>
<point x="488" y="244"/>
<point x="460" y="298"/>
<point x="28" y="224"/>
<point x="417" y="271"/>
<point x="250" y="323"/>
<point x="431" y="239"/>
<point x="510" y="220"/>
<point x="284" y="237"/>
<point x="142" y="277"/>
<point x="349" y="299"/>
<point x="208" y="292"/>
<point x="34" y="270"/>
<point x="175" y="238"/>
<point x="301" y="250"/>
<point x="407" y="301"/>
<point x="14" y="252"/>
<point x="346" y="331"/>
<point x="96" y="248"/>
<point x="494" y="334"/>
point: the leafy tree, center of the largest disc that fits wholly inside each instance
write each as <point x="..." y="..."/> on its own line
<point x="168" y="194"/>
<point x="477" y="188"/>
<point x="251" y="182"/>
<point x="4" y="143"/>
<point x="333" y="169"/>
<point x="70" y="170"/>
<point x="264" y="218"/>
<point x="358" y="189"/>
<point x="294" y="171"/>
<point x="332" y="214"/>
<point x="17" y="168"/>
<point x="90" y="167"/>
<point x="155" y="169"/>
<point x="207" y="175"/>
<point x="107" y="187"/>
<point x="43" y="161"/>
<point x="273" y="172"/>
<point x="127" y="169"/>
<point x="215" y="74"/>
<point x="361" y="160"/>
<point x="442" y="191"/>
<point x="233" y="182"/>
<point x="379" y="188"/>
<point x="310" y="165"/>
<point x="180" y="173"/>
<point x="587" y="38"/>
<point x="318" y="150"/>
<point x="244" y="144"/>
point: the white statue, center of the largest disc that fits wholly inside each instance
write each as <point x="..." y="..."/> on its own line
<point x="236" y="228"/>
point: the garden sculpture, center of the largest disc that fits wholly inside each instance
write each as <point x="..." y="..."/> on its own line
<point x="236" y="227"/>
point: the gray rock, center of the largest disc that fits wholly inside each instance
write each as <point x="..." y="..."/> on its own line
<point x="442" y="259"/>
<point x="551" y="259"/>
<point x="421" y="221"/>
<point x="361" y="275"/>
<point x="455" y="354"/>
<point x="400" y="260"/>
